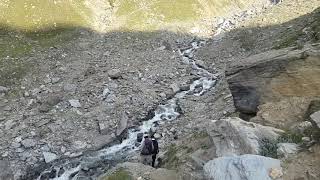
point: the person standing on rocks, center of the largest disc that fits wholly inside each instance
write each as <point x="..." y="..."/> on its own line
<point x="146" y="151"/>
<point x="155" y="149"/>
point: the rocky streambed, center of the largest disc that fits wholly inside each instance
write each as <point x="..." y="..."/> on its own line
<point x="94" y="164"/>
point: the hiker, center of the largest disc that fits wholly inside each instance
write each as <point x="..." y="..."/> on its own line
<point x="155" y="149"/>
<point x="146" y="151"/>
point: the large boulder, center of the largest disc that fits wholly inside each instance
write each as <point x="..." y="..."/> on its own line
<point x="234" y="136"/>
<point x="273" y="76"/>
<point x="249" y="167"/>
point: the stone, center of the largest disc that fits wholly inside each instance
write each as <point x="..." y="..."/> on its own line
<point x="122" y="124"/>
<point x="75" y="103"/>
<point x="28" y="143"/>
<point x="287" y="149"/>
<point x="55" y="80"/>
<point x="3" y="89"/>
<point x="70" y="87"/>
<point x="249" y="167"/>
<point x="175" y="87"/>
<point x="306" y="139"/>
<point x="6" y="172"/>
<point x="200" y="63"/>
<point x="49" y="156"/>
<point x="234" y="136"/>
<point x="114" y="73"/>
<point x="315" y="117"/>
<point x="274" y="75"/>
<point x="105" y="93"/>
<point x="157" y="136"/>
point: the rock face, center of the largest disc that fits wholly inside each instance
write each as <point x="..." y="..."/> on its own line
<point x="234" y="136"/>
<point x="274" y="75"/>
<point x="249" y="167"/>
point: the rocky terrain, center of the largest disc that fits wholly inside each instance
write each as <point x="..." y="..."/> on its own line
<point x="230" y="89"/>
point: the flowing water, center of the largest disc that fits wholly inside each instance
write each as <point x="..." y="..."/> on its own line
<point x="94" y="164"/>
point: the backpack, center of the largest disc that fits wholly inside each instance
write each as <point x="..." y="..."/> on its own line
<point x="147" y="147"/>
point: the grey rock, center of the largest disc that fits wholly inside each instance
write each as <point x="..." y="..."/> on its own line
<point x="55" y="80"/>
<point x="114" y="73"/>
<point x="234" y="136"/>
<point x="3" y="89"/>
<point x="28" y="143"/>
<point x="315" y="117"/>
<point x="175" y="87"/>
<point x="306" y="139"/>
<point x="249" y="167"/>
<point x="111" y="98"/>
<point x="201" y="63"/>
<point x="287" y="149"/>
<point x="157" y="136"/>
<point x="69" y="87"/>
<point x="6" y="172"/>
<point x="16" y="145"/>
<point x="75" y="103"/>
<point x="49" y="156"/>
<point x="122" y="125"/>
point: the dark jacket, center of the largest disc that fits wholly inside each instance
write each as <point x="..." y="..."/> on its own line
<point x="155" y="147"/>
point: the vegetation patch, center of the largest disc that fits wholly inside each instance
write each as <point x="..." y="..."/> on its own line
<point x="120" y="174"/>
<point x="16" y="44"/>
<point x="269" y="147"/>
<point x="308" y="32"/>
<point x="171" y="158"/>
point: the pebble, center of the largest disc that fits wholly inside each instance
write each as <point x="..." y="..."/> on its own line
<point x="28" y="143"/>
<point x="49" y="156"/>
<point x="75" y="103"/>
<point x="114" y="73"/>
<point x="69" y="87"/>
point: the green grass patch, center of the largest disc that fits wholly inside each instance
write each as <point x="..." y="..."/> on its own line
<point x="269" y="147"/>
<point x="120" y="174"/>
<point x="38" y="14"/>
<point x="200" y="135"/>
<point x="171" y="159"/>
